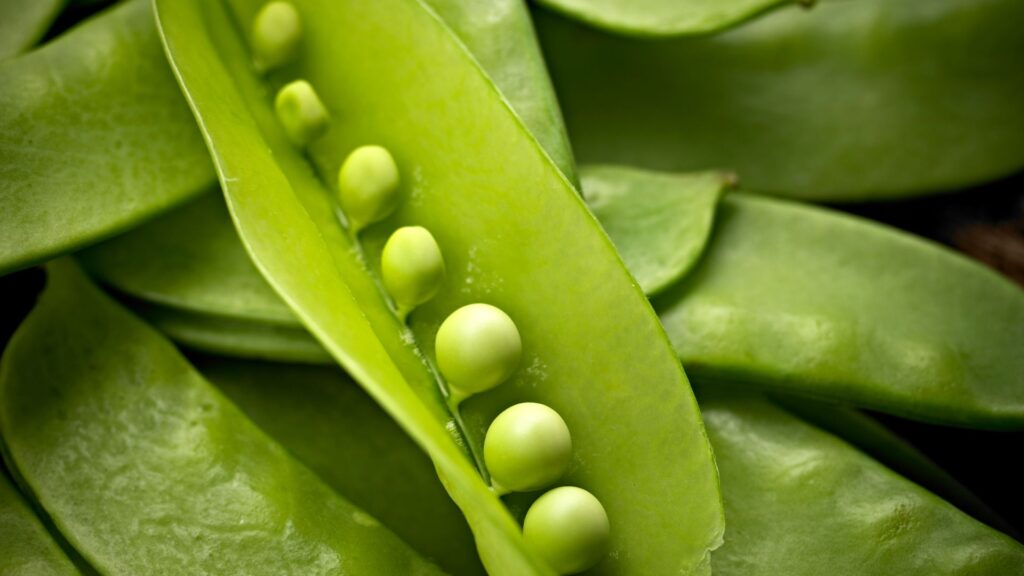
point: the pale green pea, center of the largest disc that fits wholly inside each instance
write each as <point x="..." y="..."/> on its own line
<point x="568" y="528"/>
<point x="301" y="112"/>
<point x="412" y="267"/>
<point x="276" y="33"/>
<point x="527" y="447"/>
<point x="478" y="347"/>
<point x="368" y="186"/>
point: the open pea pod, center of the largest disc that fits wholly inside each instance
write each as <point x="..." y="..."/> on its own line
<point x="24" y="22"/>
<point x="843" y="102"/>
<point x="94" y="138"/>
<point x="657" y="18"/>
<point x="801" y="502"/>
<point x="145" y="468"/>
<point x="330" y="425"/>
<point x="25" y="545"/>
<point x="475" y="177"/>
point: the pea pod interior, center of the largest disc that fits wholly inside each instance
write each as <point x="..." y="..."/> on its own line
<point x="388" y="80"/>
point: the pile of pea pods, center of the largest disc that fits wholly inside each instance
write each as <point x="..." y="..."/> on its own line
<point x="454" y="287"/>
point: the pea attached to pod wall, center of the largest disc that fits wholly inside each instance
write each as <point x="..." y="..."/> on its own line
<point x="412" y="267"/>
<point x="368" y="186"/>
<point x="569" y="528"/>
<point x="301" y="112"/>
<point x="276" y="33"/>
<point x="478" y="347"/>
<point x="527" y="447"/>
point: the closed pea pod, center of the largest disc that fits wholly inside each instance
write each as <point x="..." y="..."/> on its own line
<point x="568" y="527"/>
<point x="527" y="447"/>
<point x="478" y="347"/>
<point x="412" y="267"/>
<point x="276" y="33"/>
<point x="301" y="112"/>
<point x="368" y="186"/>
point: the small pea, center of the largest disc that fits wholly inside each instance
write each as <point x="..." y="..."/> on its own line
<point x="567" y="527"/>
<point x="301" y="112"/>
<point x="276" y="33"/>
<point x="368" y="186"/>
<point x="527" y="447"/>
<point x="412" y="267"/>
<point x="478" y="347"/>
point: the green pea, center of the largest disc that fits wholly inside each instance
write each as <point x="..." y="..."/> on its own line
<point x="301" y="112"/>
<point x="412" y="267"/>
<point x="478" y="347"/>
<point x="568" y="528"/>
<point x="276" y="33"/>
<point x="368" y="186"/>
<point x="527" y="447"/>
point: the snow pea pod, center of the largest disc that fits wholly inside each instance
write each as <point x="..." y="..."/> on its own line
<point x="327" y="422"/>
<point x="145" y="468"/>
<point x="812" y="302"/>
<point x="94" y="138"/>
<point x="25" y="546"/>
<point x="24" y="22"/>
<point x="801" y="502"/>
<point x="473" y="176"/>
<point x="871" y="437"/>
<point x="662" y="17"/>
<point x="847" y="101"/>
<point x="233" y="336"/>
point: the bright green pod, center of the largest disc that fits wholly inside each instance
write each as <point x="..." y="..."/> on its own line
<point x="799" y="501"/>
<point x="24" y="22"/>
<point x="26" y="548"/>
<point x="478" y="347"/>
<point x="412" y="267"/>
<point x="301" y="113"/>
<point x="276" y="33"/>
<point x="569" y="528"/>
<point x="368" y="186"/>
<point x="527" y="447"/>
<point x="145" y="468"/>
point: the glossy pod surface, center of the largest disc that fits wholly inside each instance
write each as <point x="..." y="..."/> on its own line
<point x="94" y="138"/>
<point x="26" y="548"/>
<point x="145" y="468"/>
<point x="466" y="160"/>
<point x="329" y="424"/>
<point x="800" y="502"/>
<point x="814" y="302"/>
<point x="845" y="101"/>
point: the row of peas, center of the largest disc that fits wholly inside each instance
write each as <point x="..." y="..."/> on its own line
<point x="528" y="447"/>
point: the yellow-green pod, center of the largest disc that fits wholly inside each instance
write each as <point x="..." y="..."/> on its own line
<point x="412" y="267"/>
<point x="301" y="112"/>
<point x="368" y="186"/>
<point x="276" y="33"/>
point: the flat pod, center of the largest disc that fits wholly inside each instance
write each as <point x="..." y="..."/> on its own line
<point x="469" y="160"/>
<point x="329" y="424"/>
<point x="660" y="18"/>
<point x="809" y="301"/>
<point x="842" y="102"/>
<point x="144" y="467"/>
<point x="24" y="22"/>
<point x="25" y="545"/>
<point x="799" y="501"/>
<point x="94" y="138"/>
